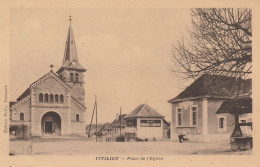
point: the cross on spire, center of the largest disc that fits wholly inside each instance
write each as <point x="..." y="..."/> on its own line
<point x="70" y="18"/>
<point x="51" y="66"/>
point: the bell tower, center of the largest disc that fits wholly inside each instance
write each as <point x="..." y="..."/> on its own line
<point x="71" y="72"/>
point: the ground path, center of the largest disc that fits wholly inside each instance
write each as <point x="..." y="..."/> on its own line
<point x="79" y="147"/>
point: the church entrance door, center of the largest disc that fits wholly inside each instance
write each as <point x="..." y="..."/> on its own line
<point x="48" y="127"/>
<point x="51" y="123"/>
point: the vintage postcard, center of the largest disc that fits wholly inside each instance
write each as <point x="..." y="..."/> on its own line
<point x="133" y="84"/>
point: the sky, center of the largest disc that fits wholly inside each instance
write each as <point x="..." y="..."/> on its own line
<point x="127" y="54"/>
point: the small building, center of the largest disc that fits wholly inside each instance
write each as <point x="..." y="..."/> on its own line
<point x="144" y="123"/>
<point x="112" y="131"/>
<point x="91" y="130"/>
<point x="118" y="127"/>
<point x="101" y="133"/>
<point x="194" y="110"/>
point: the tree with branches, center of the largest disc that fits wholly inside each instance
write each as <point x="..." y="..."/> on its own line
<point x="219" y="43"/>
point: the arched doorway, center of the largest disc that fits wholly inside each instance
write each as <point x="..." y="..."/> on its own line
<point x="51" y="123"/>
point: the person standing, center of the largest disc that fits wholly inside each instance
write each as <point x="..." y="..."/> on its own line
<point x="30" y="146"/>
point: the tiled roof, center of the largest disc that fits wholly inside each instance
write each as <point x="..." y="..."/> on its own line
<point x="216" y="87"/>
<point x="144" y="111"/>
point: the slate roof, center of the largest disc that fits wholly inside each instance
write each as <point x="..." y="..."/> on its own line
<point x="144" y="111"/>
<point x="216" y="87"/>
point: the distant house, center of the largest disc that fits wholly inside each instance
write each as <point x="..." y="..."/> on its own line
<point x="111" y="131"/>
<point x="144" y="123"/>
<point x="91" y="130"/>
<point x="194" y="110"/>
<point x="102" y="133"/>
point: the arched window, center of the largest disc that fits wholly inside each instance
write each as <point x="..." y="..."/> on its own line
<point x="21" y="116"/>
<point x="76" y="77"/>
<point x="61" y="98"/>
<point x="56" y="98"/>
<point x="46" y="97"/>
<point x="71" y="77"/>
<point x="77" y="117"/>
<point x="40" y="97"/>
<point x="51" y="98"/>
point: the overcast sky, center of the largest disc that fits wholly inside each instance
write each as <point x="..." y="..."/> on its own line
<point x="127" y="54"/>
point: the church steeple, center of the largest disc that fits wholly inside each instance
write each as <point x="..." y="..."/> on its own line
<point x="70" y="53"/>
<point x="70" y="59"/>
<point x="71" y="72"/>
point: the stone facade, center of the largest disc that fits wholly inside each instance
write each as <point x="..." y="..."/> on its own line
<point x="55" y="103"/>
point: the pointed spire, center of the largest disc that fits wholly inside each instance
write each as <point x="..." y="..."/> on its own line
<point x="70" y="59"/>
<point x="70" y="53"/>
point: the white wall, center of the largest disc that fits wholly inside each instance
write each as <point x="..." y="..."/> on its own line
<point x="149" y="132"/>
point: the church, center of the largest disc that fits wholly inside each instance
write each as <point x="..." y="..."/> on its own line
<point x="53" y="105"/>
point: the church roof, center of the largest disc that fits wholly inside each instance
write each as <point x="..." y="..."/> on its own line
<point x="70" y="59"/>
<point x="144" y="111"/>
<point x="38" y="81"/>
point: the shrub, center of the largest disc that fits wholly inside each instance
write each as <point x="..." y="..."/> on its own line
<point x="120" y="138"/>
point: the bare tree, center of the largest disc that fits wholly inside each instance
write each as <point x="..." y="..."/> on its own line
<point x="220" y="43"/>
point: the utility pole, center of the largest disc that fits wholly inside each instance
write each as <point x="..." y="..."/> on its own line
<point x="96" y="116"/>
<point x="91" y="120"/>
<point x="120" y="121"/>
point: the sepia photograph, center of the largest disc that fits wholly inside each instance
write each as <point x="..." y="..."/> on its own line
<point x="138" y="81"/>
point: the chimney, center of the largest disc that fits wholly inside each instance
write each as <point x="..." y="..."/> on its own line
<point x="117" y="116"/>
